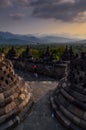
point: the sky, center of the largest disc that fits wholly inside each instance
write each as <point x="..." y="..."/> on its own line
<point x="44" y="17"/>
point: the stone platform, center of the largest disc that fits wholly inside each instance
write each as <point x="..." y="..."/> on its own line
<point x="40" y="117"/>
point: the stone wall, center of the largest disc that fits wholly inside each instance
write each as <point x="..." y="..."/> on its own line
<point x="55" y="70"/>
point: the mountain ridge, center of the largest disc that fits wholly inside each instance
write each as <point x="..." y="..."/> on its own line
<point x="10" y="38"/>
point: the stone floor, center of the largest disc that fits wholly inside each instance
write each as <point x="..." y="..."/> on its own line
<point x="41" y="117"/>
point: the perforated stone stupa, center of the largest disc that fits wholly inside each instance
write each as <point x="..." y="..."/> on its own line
<point x="47" y="55"/>
<point x="15" y="96"/>
<point x="26" y="54"/>
<point x="12" y="54"/>
<point x="69" y="99"/>
<point x="68" y="54"/>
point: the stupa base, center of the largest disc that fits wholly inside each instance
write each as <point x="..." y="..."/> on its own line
<point x="61" y="118"/>
<point x="16" y="119"/>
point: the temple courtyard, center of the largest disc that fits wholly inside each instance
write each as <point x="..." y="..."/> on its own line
<point x="41" y="117"/>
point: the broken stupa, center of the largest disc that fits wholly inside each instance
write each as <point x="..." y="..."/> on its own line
<point x="69" y="99"/>
<point x="15" y="96"/>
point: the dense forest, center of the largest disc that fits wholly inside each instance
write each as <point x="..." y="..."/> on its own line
<point x="38" y="49"/>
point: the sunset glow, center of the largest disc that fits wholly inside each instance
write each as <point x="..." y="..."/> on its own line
<point x="57" y="17"/>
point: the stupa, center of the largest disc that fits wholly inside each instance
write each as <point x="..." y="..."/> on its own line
<point x="26" y="54"/>
<point x="12" y="54"/>
<point x="47" y="56"/>
<point x="68" y="54"/>
<point x="15" y="96"/>
<point x="69" y="99"/>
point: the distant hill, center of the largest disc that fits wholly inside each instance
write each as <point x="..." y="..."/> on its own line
<point x="10" y="38"/>
<point x="56" y="39"/>
<point x="82" y="41"/>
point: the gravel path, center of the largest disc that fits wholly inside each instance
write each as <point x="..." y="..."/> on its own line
<point x="40" y="117"/>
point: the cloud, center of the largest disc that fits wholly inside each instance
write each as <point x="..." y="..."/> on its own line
<point x="17" y="16"/>
<point x="5" y="3"/>
<point x="21" y="3"/>
<point x="14" y="3"/>
<point x="67" y="1"/>
<point x="81" y="17"/>
<point x="64" y="10"/>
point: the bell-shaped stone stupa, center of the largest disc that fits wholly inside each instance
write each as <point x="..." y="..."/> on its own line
<point x="15" y="96"/>
<point x="12" y="54"/>
<point x="69" y="99"/>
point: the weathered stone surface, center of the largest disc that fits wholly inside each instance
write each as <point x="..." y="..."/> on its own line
<point x="15" y="96"/>
<point x="51" y="69"/>
<point x="70" y="100"/>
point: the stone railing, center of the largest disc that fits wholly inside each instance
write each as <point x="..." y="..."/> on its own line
<point x="55" y="70"/>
